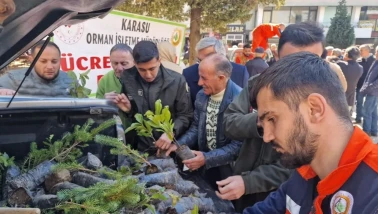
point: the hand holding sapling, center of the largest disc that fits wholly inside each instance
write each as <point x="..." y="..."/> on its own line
<point x="197" y="162"/>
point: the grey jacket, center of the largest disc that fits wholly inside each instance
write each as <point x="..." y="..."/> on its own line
<point x="35" y="85"/>
<point x="258" y="162"/>
<point x="226" y="149"/>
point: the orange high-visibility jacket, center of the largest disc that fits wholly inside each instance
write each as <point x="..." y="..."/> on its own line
<point x="267" y="30"/>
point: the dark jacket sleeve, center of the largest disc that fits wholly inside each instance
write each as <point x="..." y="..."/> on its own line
<point x="372" y="85"/>
<point x="223" y="155"/>
<point x="275" y="203"/>
<point x="238" y="123"/>
<point x="190" y="138"/>
<point x="265" y="178"/>
<point x="183" y="109"/>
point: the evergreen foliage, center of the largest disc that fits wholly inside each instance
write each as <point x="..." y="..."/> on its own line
<point x="121" y="149"/>
<point x="341" y="31"/>
<point x="68" y="148"/>
<point x="106" y="198"/>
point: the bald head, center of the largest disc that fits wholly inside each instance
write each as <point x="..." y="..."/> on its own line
<point x="220" y="63"/>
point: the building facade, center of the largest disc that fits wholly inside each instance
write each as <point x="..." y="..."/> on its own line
<point x="364" y="16"/>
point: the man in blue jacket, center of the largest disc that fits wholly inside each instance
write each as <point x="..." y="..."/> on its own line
<point x="206" y="132"/>
<point x="204" y="48"/>
<point x="370" y="90"/>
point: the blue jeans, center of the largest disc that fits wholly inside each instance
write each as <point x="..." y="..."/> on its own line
<point x="359" y="106"/>
<point x="370" y="115"/>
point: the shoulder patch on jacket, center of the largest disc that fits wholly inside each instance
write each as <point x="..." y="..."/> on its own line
<point x="342" y="203"/>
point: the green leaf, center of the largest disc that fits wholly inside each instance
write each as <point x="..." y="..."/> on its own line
<point x="86" y="73"/>
<point x="195" y="210"/>
<point x="158" y="107"/>
<point x="166" y="114"/>
<point x="72" y="75"/>
<point x="132" y="127"/>
<point x="139" y="118"/>
<point x="159" y="196"/>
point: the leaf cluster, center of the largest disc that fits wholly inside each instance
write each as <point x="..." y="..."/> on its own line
<point x="68" y="148"/>
<point x="160" y="120"/>
<point x="5" y="161"/>
<point x="105" y="198"/>
<point x="79" y="90"/>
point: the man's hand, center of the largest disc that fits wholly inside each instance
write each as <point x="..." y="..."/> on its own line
<point x="7" y="92"/>
<point x="164" y="142"/>
<point x="123" y="103"/>
<point x="197" y="162"/>
<point x="231" y="188"/>
<point x="111" y="96"/>
<point x="172" y="148"/>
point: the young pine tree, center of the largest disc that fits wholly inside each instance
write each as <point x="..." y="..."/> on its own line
<point x="341" y="31"/>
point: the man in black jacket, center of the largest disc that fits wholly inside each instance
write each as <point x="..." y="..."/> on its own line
<point x="366" y="60"/>
<point x="147" y="82"/>
<point x="352" y="72"/>
<point x="257" y="170"/>
<point x="257" y="64"/>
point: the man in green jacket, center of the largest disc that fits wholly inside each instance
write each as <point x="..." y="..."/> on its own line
<point x="121" y="58"/>
<point x="257" y="170"/>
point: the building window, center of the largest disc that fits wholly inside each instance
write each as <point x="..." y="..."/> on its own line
<point x="267" y="16"/>
<point x="330" y="12"/>
<point x="289" y="15"/>
<point x="281" y="16"/>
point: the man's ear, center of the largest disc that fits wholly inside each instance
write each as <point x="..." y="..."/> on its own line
<point x="316" y="107"/>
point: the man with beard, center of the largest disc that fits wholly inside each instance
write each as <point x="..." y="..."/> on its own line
<point x="257" y="170"/>
<point x="336" y="170"/>
<point x="245" y="56"/>
<point x="45" y="80"/>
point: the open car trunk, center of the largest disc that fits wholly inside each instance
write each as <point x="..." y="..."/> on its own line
<point x="35" y="119"/>
<point x="25" y="22"/>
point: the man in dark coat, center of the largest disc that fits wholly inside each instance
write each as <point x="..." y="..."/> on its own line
<point x="352" y="72"/>
<point x="370" y="90"/>
<point x="204" y="48"/>
<point x="366" y="60"/>
<point x="147" y="82"/>
<point x="258" y="64"/>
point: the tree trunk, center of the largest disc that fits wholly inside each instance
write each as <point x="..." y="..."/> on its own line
<point x="195" y="34"/>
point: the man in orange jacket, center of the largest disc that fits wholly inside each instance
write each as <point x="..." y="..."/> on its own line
<point x="263" y="32"/>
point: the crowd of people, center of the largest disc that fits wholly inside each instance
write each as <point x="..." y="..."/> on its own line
<point x="272" y="137"/>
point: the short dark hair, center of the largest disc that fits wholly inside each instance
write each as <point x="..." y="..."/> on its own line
<point x="247" y="46"/>
<point x="353" y="53"/>
<point x="39" y="45"/>
<point x="298" y="75"/>
<point x="121" y="47"/>
<point x="145" y="51"/>
<point x="301" y="34"/>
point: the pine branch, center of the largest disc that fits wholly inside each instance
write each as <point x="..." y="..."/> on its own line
<point x="73" y="166"/>
<point x="120" y="148"/>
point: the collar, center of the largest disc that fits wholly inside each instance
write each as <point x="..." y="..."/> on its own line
<point x="219" y="96"/>
<point x="359" y="146"/>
